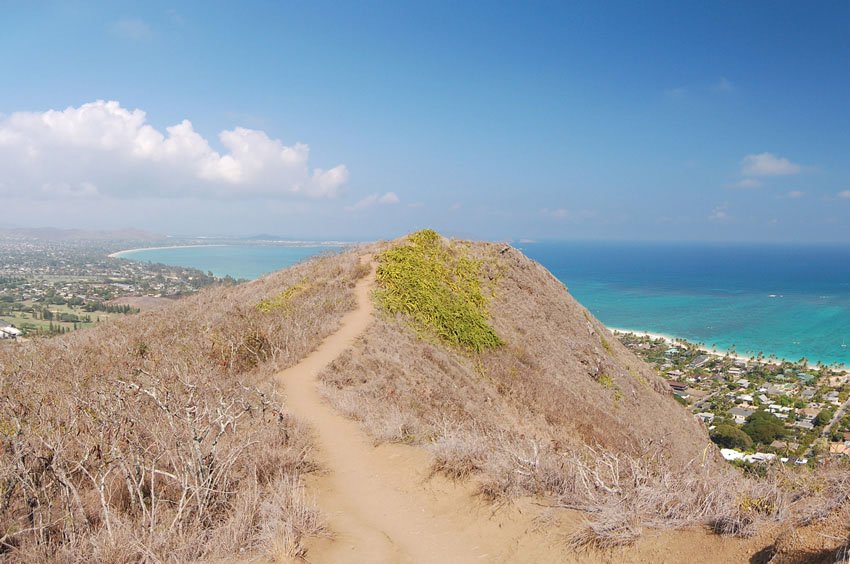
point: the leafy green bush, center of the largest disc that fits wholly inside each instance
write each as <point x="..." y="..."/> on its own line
<point x="282" y="300"/>
<point x="824" y="417"/>
<point x="729" y="436"/>
<point x="438" y="287"/>
<point x="764" y="428"/>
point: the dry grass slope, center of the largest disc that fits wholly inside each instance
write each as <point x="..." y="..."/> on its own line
<point x="560" y="410"/>
<point x="160" y="437"/>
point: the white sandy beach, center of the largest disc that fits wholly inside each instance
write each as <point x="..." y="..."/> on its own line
<point x="713" y="352"/>
<point x="118" y="254"/>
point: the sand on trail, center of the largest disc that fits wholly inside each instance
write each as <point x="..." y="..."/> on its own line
<point x="383" y="505"/>
<point x="381" y="502"/>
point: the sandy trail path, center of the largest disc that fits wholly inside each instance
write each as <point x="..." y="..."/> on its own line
<point x="381" y="503"/>
<point x="384" y="506"/>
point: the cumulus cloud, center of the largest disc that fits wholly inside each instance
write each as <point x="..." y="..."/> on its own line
<point x="795" y="194"/>
<point x="103" y="148"/>
<point x="844" y="194"/>
<point x="387" y="198"/>
<point x="767" y="164"/>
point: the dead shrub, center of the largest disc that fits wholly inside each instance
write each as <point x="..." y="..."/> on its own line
<point x="161" y="437"/>
<point x="609" y="529"/>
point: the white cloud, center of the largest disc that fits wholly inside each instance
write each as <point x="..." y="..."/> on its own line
<point x="795" y="194"/>
<point x="720" y="213"/>
<point x="389" y="198"/>
<point x="767" y="164"/>
<point x="131" y="28"/>
<point x="844" y="194"/>
<point x="747" y="183"/>
<point x="102" y="148"/>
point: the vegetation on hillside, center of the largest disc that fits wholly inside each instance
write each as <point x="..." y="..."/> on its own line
<point x="437" y="285"/>
<point x="559" y="410"/>
<point x="161" y="437"/>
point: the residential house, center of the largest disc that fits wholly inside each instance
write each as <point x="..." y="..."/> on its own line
<point x="740" y="414"/>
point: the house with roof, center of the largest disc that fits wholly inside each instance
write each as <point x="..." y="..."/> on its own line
<point x="805" y="425"/>
<point x="679" y="387"/>
<point x="809" y="413"/>
<point x="740" y="414"/>
<point x="707" y="417"/>
<point x="699" y="361"/>
<point x="839" y="449"/>
<point x="808" y="393"/>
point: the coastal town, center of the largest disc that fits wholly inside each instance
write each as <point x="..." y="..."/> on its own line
<point x="54" y="286"/>
<point x="757" y="410"/>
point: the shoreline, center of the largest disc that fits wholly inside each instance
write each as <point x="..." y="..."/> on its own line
<point x="719" y="353"/>
<point x="281" y="243"/>
<point x="118" y="254"/>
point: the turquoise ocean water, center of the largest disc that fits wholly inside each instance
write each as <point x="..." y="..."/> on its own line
<point x="791" y="301"/>
<point x="238" y="261"/>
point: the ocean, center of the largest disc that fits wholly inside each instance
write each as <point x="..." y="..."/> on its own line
<point x="239" y="261"/>
<point x="789" y="301"/>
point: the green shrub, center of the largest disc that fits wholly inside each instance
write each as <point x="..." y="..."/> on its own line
<point x="763" y="427"/>
<point x="438" y="287"/>
<point x="281" y="300"/>
<point x="729" y="436"/>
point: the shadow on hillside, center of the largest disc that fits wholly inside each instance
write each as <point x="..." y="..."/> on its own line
<point x="770" y="555"/>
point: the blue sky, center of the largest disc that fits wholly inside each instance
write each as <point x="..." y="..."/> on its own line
<point x="632" y="120"/>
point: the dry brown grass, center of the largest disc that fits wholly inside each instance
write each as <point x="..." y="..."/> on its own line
<point x="160" y="437"/>
<point x="562" y="410"/>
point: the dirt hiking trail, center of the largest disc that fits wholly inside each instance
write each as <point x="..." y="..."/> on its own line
<point x="383" y="505"/>
<point x="381" y="502"/>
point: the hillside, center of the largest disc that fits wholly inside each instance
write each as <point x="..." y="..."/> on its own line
<point x="161" y="437"/>
<point x="555" y="407"/>
<point x="475" y="412"/>
<point x="480" y="356"/>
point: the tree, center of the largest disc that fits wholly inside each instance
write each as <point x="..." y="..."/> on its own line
<point x="729" y="436"/>
<point x="823" y="418"/>
<point x="763" y="427"/>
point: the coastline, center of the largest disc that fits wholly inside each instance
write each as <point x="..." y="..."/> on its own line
<point x="119" y="254"/>
<point x="716" y="352"/>
<point x="282" y="243"/>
